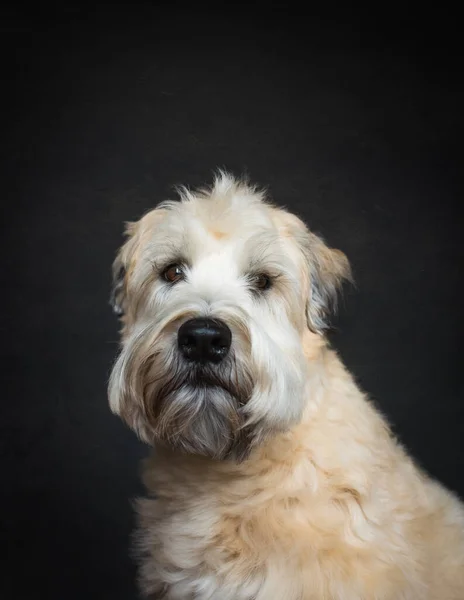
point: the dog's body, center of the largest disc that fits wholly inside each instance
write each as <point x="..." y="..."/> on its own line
<point x="273" y="478"/>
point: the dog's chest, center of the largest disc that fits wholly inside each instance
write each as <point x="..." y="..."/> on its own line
<point x="240" y="551"/>
<point x="262" y="547"/>
<point x="219" y="553"/>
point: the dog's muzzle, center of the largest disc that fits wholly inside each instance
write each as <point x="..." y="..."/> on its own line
<point x="204" y="340"/>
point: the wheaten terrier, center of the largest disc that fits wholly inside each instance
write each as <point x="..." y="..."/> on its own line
<point x="273" y="477"/>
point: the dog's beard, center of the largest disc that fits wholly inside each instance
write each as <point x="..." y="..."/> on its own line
<point x="199" y="409"/>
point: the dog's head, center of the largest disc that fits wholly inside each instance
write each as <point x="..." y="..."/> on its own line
<point x="222" y="296"/>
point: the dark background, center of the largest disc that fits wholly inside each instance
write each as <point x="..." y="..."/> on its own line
<point x="353" y="121"/>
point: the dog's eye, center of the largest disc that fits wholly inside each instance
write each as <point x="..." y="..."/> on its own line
<point x="173" y="273"/>
<point x="261" y="282"/>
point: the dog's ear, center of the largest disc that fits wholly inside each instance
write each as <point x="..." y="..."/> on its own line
<point x="119" y="272"/>
<point x="325" y="270"/>
<point x="137" y="234"/>
<point x="328" y="270"/>
<point x="117" y="297"/>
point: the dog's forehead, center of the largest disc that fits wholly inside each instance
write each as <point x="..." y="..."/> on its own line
<point x="220" y="219"/>
<point x="214" y="230"/>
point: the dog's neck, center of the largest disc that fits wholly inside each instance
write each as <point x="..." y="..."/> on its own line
<point x="328" y="387"/>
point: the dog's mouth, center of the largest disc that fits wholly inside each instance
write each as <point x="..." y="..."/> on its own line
<point x="206" y="378"/>
<point x="199" y="408"/>
<point x="202" y="377"/>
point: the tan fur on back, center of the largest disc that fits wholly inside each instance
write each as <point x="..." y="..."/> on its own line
<point x="329" y="508"/>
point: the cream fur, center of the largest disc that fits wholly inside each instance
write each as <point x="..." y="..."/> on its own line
<point x="326" y="505"/>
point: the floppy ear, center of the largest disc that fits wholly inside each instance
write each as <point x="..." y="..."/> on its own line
<point x="118" y="295"/>
<point x="137" y="234"/>
<point x="328" y="270"/>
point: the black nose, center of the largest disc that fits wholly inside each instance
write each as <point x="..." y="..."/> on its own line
<point x="204" y="340"/>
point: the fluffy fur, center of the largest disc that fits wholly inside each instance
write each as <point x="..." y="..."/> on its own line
<point x="272" y="477"/>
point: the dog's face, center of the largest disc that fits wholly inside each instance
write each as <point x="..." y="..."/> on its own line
<point x="221" y="296"/>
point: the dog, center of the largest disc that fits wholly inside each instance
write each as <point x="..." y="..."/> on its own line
<point x="273" y="477"/>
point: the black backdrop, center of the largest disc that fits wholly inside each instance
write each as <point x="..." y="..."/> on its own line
<point x="354" y="123"/>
